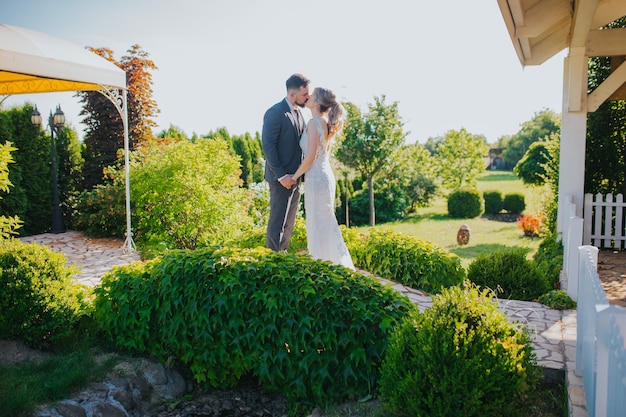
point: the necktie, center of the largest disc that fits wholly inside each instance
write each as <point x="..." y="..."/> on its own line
<point x="298" y="120"/>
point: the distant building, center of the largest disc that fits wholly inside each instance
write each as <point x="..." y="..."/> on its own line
<point x="495" y="161"/>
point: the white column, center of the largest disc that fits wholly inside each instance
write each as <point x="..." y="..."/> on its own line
<point x="573" y="135"/>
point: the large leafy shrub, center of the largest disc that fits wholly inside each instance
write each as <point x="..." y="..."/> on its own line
<point x="465" y="204"/>
<point x="188" y="195"/>
<point x="509" y="273"/>
<point x="310" y="330"/>
<point x="461" y="357"/>
<point x="417" y="263"/>
<point x="493" y="202"/>
<point x="39" y="303"/>
<point x="101" y="211"/>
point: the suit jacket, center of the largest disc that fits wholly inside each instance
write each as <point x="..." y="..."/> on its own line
<point x="280" y="141"/>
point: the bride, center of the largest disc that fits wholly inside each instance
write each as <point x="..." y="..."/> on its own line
<point x="324" y="239"/>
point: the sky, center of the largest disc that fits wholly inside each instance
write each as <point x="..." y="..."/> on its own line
<point x="449" y="64"/>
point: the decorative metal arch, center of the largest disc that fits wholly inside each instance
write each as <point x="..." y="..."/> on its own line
<point x="120" y="101"/>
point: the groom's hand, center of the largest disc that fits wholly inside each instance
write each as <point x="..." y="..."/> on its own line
<point x="287" y="181"/>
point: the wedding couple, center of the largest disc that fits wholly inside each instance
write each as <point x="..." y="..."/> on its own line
<point x="293" y="148"/>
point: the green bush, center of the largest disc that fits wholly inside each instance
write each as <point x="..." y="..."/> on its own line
<point x="39" y="303"/>
<point x="557" y="300"/>
<point x="461" y="357"/>
<point x="417" y="263"/>
<point x="188" y="195"/>
<point x="313" y="331"/>
<point x="390" y="204"/>
<point x="493" y="202"/>
<point x="101" y="211"/>
<point x="465" y="204"/>
<point x="549" y="259"/>
<point x="509" y="273"/>
<point x="514" y="203"/>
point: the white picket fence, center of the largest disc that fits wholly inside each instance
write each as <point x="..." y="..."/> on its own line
<point x="600" y="349"/>
<point x="604" y="221"/>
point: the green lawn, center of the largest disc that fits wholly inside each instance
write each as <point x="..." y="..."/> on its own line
<point x="433" y="224"/>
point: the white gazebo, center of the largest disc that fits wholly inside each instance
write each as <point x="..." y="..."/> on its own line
<point x="539" y="30"/>
<point x="34" y="62"/>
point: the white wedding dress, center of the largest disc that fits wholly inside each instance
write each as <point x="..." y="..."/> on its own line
<point x="324" y="239"/>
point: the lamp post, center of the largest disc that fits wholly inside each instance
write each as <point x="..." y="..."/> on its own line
<point x="56" y="123"/>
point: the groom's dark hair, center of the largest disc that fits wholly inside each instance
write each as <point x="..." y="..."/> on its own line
<point x="296" y="81"/>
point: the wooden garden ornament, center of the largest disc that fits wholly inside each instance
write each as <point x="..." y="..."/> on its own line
<point x="463" y="235"/>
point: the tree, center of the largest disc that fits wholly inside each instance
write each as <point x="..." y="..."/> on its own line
<point x="605" y="152"/>
<point x="250" y="154"/>
<point x="432" y="143"/>
<point x="70" y="165"/>
<point x="412" y="168"/>
<point x="104" y="134"/>
<point x="460" y="159"/>
<point x="543" y="123"/>
<point x="530" y="169"/>
<point x="172" y="132"/>
<point x="31" y="195"/>
<point x="369" y="140"/>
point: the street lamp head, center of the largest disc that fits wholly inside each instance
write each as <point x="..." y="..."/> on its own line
<point x="35" y="118"/>
<point x="59" y="117"/>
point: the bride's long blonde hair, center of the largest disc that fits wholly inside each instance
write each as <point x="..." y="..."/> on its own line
<point x="328" y="103"/>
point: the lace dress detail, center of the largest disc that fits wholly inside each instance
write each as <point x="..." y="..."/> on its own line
<point x="324" y="239"/>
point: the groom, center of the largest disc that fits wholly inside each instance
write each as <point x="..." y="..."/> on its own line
<point x="282" y="127"/>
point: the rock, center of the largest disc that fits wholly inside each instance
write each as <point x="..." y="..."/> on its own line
<point x="141" y="388"/>
<point x="70" y="409"/>
<point x="107" y="410"/>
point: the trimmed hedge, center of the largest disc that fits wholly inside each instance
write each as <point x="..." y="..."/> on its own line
<point x="465" y="204"/>
<point x="493" y="202"/>
<point x="313" y="331"/>
<point x="514" y="203"/>
<point x="39" y="303"/>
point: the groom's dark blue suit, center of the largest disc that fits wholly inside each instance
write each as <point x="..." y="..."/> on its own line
<point x="280" y="141"/>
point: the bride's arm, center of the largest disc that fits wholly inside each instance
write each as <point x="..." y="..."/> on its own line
<point x="311" y="151"/>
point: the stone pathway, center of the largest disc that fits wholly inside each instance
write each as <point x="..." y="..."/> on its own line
<point x="94" y="256"/>
<point x="554" y="331"/>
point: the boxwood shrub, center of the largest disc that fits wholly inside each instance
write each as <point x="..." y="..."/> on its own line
<point x="493" y="202"/>
<point x="313" y="331"/>
<point x="514" y="203"/>
<point x="465" y="204"/>
<point x="39" y="303"/>
<point x="413" y="262"/>
<point x="509" y="273"/>
<point x="461" y="357"/>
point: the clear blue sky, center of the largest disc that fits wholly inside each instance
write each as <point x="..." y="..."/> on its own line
<point x="448" y="63"/>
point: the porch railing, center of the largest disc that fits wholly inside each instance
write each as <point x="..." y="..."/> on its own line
<point x="600" y="349"/>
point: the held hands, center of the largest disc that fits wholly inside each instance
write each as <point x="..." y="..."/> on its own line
<point x="287" y="181"/>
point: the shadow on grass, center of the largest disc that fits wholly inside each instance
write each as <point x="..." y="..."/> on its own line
<point x="422" y="217"/>
<point x="504" y="176"/>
